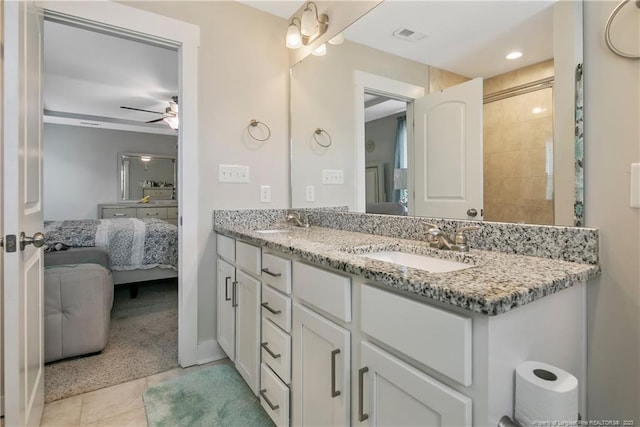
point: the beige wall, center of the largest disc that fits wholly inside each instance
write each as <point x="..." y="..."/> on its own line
<point x="612" y="143"/>
<point x="243" y="75"/>
<point x="518" y="143"/>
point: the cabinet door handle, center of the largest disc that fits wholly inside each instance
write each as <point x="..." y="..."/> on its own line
<point x="263" y="393"/>
<point x="234" y="299"/>
<point x="266" y="270"/>
<point x="361" y="415"/>
<point x="226" y="288"/>
<point x="334" y="392"/>
<point x="119" y="214"/>
<point x="265" y="345"/>
<point x="269" y="309"/>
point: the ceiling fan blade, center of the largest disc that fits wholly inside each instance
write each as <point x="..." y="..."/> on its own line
<point x="140" y="109"/>
<point x="154" y="121"/>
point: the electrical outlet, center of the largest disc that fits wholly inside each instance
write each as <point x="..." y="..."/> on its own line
<point x="332" y="177"/>
<point x="265" y="193"/>
<point x="233" y="173"/>
<point x="310" y="195"/>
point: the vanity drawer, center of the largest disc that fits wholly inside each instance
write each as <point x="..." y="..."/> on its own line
<point x="119" y="213"/>
<point x="226" y="247"/>
<point x="276" y="272"/>
<point x="437" y="338"/>
<point x="323" y="289"/>
<point x="158" y="193"/>
<point x="276" y="350"/>
<point x="277" y="394"/>
<point x="151" y="213"/>
<point x="248" y="258"/>
<point x="276" y="307"/>
<point x="172" y="213"/>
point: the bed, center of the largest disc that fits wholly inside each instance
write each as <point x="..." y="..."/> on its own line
<point x="139" y="249"/>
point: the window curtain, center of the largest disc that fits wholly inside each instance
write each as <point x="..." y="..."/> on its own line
<point x="400" y="192"/>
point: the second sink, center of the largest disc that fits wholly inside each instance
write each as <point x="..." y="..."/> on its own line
<point x="421" y="262"/>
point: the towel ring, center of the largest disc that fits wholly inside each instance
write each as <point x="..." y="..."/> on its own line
<point x="254" y="124"/>
<point x="320" y="131"/>
<point x="607" y="31"/>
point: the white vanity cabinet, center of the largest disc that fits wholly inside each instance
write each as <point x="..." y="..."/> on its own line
<point x="321" y="370"/>
<point x="238" y="306"/>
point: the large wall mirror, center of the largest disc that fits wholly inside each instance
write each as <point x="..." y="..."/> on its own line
<point x="144" y="174"/>
<point x="423" y="114"/>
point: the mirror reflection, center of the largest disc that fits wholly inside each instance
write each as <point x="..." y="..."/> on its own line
<point x="368" y="92"/>
<point x="147" y="175"/>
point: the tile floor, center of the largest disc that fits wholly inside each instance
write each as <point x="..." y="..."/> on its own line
<point x="120" y="405"/>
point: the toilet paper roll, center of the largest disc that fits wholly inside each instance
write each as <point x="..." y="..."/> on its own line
<point x="544" y="393"/>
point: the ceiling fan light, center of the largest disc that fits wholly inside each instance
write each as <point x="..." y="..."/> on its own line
<point x="293" y="38"/>
<point x="173" y="107"/>
<point x="173" y="122"/>
<point x="309" y="21"/>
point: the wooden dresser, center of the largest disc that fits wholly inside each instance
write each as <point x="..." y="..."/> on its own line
<point x="165" y="211"/>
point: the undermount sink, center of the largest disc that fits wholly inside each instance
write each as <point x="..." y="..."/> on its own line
<point x="420" y="262"/>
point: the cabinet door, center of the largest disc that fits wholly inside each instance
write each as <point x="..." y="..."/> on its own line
<point x="226" y="312"/>
<point x="321" y="372"/>
<point x="393" y="393"/>
<point x="247" y="298"/>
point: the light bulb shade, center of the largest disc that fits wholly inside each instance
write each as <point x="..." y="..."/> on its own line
<point x="294" y="39"/>
<point x="308" y="22"/>
<point x="173" y="122"/>
<point x="320" y="50"/>
<point x="339" y="39"/>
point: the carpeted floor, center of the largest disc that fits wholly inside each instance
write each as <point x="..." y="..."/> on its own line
<point x="214" y="396"/>
<point x="143" y="341"/>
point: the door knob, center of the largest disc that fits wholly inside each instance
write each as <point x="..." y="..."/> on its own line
<point x="472" y="212"/>
<point x="37" y="240"/>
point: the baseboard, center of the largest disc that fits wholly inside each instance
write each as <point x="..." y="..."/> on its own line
<point x="209" y="351"/>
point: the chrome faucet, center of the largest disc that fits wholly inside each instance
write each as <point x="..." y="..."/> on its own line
<point x="298" y="219"/>
<point x="438" y="239"/>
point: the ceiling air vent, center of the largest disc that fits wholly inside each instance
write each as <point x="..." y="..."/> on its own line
<point x="409" y="35"/>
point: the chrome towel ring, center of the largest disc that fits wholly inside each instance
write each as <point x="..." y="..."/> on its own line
<point x="318" y="132"/>
<point x="607" y="31"/>
<point x="253" y="124"/>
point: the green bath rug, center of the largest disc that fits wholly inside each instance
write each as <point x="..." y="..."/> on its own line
<point x="214" y="396"/>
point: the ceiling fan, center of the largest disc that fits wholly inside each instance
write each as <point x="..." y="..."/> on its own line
<point x="170" y="115"/>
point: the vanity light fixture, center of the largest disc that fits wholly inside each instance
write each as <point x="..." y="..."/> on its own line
<point x="320" y="50"/>
<point x="514" y="55"/>
<point x="339" y="39"/>
<point x="304" y="30"/>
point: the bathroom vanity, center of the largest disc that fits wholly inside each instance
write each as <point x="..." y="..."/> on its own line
<point x="330" y="326"/>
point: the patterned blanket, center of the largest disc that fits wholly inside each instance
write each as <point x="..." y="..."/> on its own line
<point x="132" y="243"/>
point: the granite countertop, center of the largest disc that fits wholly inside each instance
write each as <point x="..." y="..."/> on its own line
<point x="497" y="282"/>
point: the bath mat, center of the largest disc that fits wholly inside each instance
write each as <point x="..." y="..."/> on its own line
<point x="215" y="396"/>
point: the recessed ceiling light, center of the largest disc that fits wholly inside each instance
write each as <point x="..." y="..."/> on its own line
<point x="514" y="55"/>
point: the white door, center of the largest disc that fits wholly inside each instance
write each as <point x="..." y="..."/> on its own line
<point x="392" y="393"/>
<point x="247" y="294"/>
<point x="448" y="152"/>
<point x="22" y="192"/>
<point x="226" y="309"/>
<point x="320" y="368"/>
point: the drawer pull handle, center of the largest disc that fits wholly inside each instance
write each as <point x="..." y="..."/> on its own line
<point x="266" y="270"/>
<point x="334" y="392"/>
<point x="226" y="288"/>
<point x="120" y="214"/>
<point x="152" y="214"/>
<point x="269" y="309"/>
<point x="361" y="415"/>
<point x="234" y="301"/>
<point x="263" y="393"/>
<point x="265" y="345"/>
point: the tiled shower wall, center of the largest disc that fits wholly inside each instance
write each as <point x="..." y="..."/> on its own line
<point x="518" y="150"/>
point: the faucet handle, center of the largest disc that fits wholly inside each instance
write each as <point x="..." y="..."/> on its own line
<point x="461" y="238"/>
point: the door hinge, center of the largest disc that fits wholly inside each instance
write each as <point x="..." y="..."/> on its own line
<point x="10" y="243"/>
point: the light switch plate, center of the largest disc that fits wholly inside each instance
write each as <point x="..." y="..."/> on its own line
<point x="332" y="176"/>
<point x="233" y="173"/>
